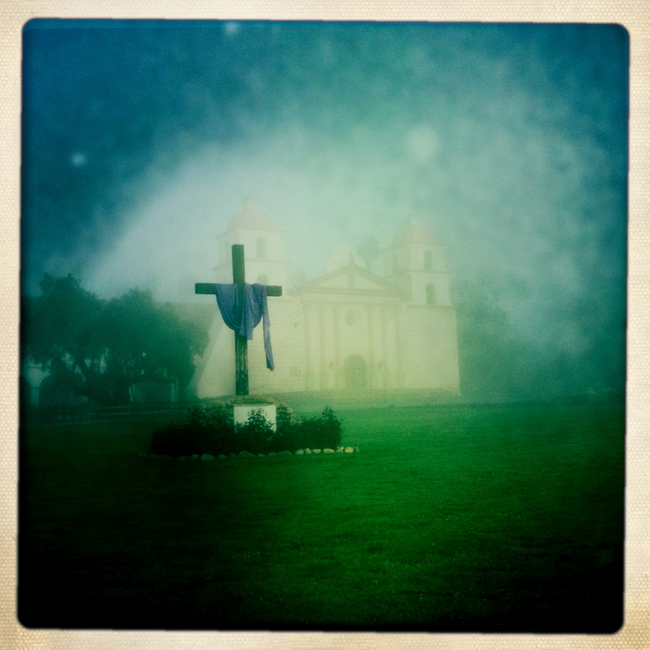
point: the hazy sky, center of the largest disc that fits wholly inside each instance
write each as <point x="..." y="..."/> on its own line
<point x="142" y="140"/>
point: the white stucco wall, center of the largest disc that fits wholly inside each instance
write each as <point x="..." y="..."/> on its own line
<point x="345" y="323"/>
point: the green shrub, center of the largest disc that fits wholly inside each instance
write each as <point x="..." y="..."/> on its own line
<point x="321" y="432"/>
<point x="210" y="429"/>
<point x="217" y="415"/>
<point x="179" y="440"/>
<point x="285" y="417"/>
<point x="256" y="436"/>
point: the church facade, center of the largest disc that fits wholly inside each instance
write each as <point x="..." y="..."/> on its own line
<point x="348" y="330"/>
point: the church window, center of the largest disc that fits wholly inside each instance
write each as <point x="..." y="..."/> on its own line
<point x="261" y="247"/>
<point x="428" y="260"/>
<point x="349" y="318"/>
<point x="431" y="294"/>
<point x="262" y="278"/>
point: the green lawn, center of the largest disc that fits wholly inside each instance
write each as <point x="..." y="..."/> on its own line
<point x="491" y="518"/>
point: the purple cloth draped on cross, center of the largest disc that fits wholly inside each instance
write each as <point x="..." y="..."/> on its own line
<point x="254" y="309"/>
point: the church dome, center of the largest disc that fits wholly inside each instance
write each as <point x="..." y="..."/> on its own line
<point x="250" y="218"/>
<point x="414" y="233"/>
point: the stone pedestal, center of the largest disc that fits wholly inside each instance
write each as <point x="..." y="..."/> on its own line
<point x="243" y="412"/>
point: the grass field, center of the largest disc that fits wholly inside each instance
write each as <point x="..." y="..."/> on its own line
<point x="451" y="518"/>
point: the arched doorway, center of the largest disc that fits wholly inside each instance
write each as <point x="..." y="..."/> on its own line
<point x="355" y="373"/>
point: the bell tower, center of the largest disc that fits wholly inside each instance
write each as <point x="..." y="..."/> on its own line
<point x="263" y="248"/>
<point x="416" y="264"/>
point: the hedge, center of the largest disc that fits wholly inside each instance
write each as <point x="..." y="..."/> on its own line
<point x="210" y="429"/>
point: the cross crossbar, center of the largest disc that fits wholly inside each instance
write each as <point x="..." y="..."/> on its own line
<point x="241" y="343"/>
<point x="206" y="288"/>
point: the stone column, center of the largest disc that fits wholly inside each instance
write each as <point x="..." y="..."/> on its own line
<point x="323" y="356"/>
<point x="337" y="350"/>
<point x="384" y="342"/>
<point x="309" y="373"/>
<point x="371" y="347"/>
<point x="398" y="350"/>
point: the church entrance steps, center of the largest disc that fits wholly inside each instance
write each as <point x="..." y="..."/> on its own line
<point x="360" y="399"/>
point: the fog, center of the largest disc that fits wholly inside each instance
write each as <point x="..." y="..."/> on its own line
<point x="507" y="142"/>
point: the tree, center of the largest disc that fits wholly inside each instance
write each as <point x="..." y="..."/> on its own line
<point x="59" y="332"/>
<point x="147" y="341"/>
<point x="110" y="344"/>
<point x="490" y="354"/>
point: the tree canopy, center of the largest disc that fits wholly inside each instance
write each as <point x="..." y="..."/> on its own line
<point x="103" y="347"/>
<point x="496" y="362"/>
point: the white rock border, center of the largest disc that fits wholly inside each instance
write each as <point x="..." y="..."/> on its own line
<point x="246" y="454"/>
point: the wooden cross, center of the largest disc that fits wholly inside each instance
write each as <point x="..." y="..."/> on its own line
<point x="241" y="343"/>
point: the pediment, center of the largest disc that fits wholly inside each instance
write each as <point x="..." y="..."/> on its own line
<point x="350" y="279"/>
<point x="342" y="257"/>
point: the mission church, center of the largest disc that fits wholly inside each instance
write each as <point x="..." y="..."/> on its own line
<point x="350" y="329"/>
